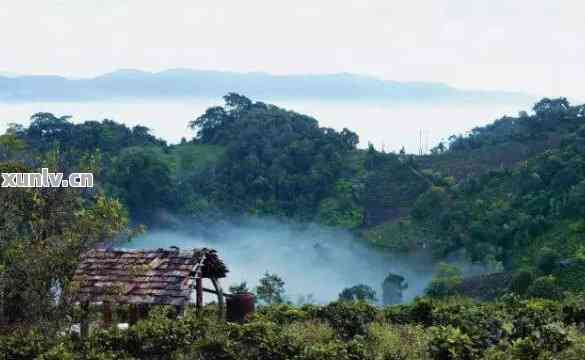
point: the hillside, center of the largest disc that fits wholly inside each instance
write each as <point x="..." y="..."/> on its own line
<point x="496" y="193"/>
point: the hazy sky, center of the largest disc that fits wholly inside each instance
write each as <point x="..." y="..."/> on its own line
<point x="537" y="46"/>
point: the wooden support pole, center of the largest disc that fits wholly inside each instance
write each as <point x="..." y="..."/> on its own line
<point x="143" y="310"/>
<point x="84" y="322"/>
<point x="199" y="293"/>
<point x="107" y="312"/>
<point x="220" y="299"/>
<point x="180" y="311"/>
<point x="133" y="314"/>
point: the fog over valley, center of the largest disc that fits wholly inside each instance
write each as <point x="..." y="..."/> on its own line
<point x="313" y="261"/>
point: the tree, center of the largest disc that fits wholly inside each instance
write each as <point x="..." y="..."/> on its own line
<point x="277" y="162"/>
<point x="239" y="288"/>
<point x="548" y="260"/>
<point x="359" y="292"/>
<point x="47" y="129"/>
<point x="141" y="177"/>
<point x="44" y="232"/>
<point x="10" y="146"/>
<point x="271" y="289"/>
<point x="392" y="289"/>
<point x="445" y="281"/>
<point x="548" y="106"/>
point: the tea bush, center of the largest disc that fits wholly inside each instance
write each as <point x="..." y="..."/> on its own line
<point x="439" y="329"/>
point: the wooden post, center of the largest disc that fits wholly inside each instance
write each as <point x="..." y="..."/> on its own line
<point x="220" y="300"/>
<point x="143" y="311"/>
<point x="198" y="293"/>
<point x="2" y="317"/>
<point x="84" y="322"/>
<point x="133" y="314"/>
<point x="107" y="312"/>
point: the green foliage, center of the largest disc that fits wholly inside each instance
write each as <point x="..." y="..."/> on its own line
<point x="548" y="261"/>
<point x="359" y="292"/>
<point x="342" y="209"/>
<point x="141" y="177"/>
<point x="522" y="281"/>
<point x="397" y="342"/>
<point x="271" y="289"/>
<point x="514" y="213"/>
<point x="44" y="232"/>
<point x="240" y="288"/>
<point x="10" y="146"/>
<point x="23" y="344"/>
<point x="392" y="288"/>
<point x="545" y="287"/>
<point x="348" y="318"/>
<point x="397" y="235"/>
<point x="454" y="328"/>
<point x="276" y="162"/>
<point x="445" y="281"/>
<point x="449" y="343"/>
<point x="390" y="187"/>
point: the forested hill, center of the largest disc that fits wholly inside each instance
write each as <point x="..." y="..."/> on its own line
<point x="517" y="206"/>
<point x="500" y="194"/>
<point x="187" y="83"/>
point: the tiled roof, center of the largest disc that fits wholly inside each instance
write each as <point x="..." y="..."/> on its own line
<point x="143" y="276"/>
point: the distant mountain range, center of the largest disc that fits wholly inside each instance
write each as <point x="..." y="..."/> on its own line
<point x="185" y="83"/>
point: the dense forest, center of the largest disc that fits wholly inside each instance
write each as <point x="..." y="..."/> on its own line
<point x="509" y="196"/>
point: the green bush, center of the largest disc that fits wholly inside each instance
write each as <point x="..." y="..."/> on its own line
<point x="348" y="318"/>
<point x="450" y="343"/>
<point x="573" y="310"/>
<point x="450" y="328"/>
<point x="445" y="282"/>
<point x="545" y="287"/>
<point x="521" y="281"/>
<point x="404" y="342"/>
<point x="571" y="277"/>
<point x="281" y="313"/>
<point x="548" y="260"/>
<point x="23" y="344"/>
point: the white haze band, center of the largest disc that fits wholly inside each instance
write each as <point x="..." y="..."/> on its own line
<point x="47" y="179"/>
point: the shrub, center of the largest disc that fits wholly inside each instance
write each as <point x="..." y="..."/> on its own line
<point x="422" y="312"/>
<point x="390" y="341"/>
<point x="348" y="319"/>
<point x="260" y="340"/>
<point x="573" y="310"/>
<point x="548" y="260"/>
<point x="23" y="344"/>
<point x="448" y="342"/>
<point x="271" y="289"/>
<point x="545" y="287"/>
<point x="281" y="314"/>
<point x="531" y="315"/>
<point x="309" y="332"/>
<point x="522" y="281"/>
<point x="359" y="292"/>
<point x="445" y="281"/>
<point x="571" y="277"/>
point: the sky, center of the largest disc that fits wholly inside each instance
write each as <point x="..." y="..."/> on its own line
<point x="534" y="46"/>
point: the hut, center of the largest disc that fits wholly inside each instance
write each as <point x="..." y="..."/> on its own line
<point x="143" y="278"/>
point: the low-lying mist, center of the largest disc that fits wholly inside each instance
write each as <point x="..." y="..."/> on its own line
<point x="310" y="259"/>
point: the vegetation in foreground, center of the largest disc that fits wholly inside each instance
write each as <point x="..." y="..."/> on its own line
<point x="451" y="328"/>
